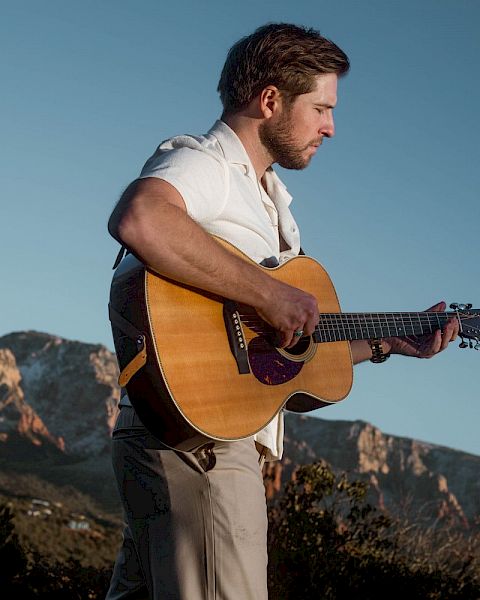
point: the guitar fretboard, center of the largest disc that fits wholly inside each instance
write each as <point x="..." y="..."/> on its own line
<point x="335" y="327"/>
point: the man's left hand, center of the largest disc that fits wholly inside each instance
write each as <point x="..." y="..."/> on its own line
<point x="428" y="345"/>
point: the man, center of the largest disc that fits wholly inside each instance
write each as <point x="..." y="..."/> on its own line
<point x="196" y="532"/>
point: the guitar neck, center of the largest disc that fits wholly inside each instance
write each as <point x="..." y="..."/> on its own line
<point x="335" y="327"/>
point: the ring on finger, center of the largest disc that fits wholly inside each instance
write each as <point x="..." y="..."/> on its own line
<point x="298" y="333"/>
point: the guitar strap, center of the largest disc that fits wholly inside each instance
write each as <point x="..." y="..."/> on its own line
<point x="140" y="359"/>
<point x="120" y="256"/>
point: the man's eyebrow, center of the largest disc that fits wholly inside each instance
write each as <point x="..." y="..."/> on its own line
<point x="324" y="105"/>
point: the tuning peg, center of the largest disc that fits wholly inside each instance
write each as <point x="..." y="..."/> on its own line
<point x="457" y="306"/>
<point x="463" y="343"/>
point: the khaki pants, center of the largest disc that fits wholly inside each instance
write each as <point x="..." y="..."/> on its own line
<point x="192" y="532"/>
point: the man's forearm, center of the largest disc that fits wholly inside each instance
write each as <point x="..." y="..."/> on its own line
<point x="161" y="234"/>
<point x="183" y="251"/>
<point x="361" y="350"/>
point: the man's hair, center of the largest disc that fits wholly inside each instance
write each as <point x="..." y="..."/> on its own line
<point x="287" y="56"/>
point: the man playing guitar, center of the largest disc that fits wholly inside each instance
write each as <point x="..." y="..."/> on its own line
<point x="197" y="527"/>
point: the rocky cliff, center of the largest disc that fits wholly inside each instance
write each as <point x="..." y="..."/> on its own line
<point x="412" y="478"/>
<point x="68" y="387"/>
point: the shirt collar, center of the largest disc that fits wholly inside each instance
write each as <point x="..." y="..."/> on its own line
<point x="232" y="148"/>
<point x="276" y="189"/>
<point x="234" y="152"/>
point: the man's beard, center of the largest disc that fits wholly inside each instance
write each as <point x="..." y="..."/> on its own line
<point x="278" y="139"/>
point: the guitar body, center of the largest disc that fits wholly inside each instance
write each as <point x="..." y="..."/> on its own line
<point x="190" y="389"/>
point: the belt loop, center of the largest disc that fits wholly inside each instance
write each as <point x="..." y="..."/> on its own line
<point x="206" y="457"/>
<point x="263" y="450"/>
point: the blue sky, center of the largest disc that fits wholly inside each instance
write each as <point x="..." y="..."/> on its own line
<point x="389" y="206"/>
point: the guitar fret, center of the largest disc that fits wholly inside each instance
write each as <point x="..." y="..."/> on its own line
<point x="331" y="330"/>
<point x="327" y="330"/>
<point x="360" y="330"/>
<point x="430" y="325"/>
<point x="343" y="327"/>
<point x="372" y="319"/>
<point x="420" y="323"/>
<point x="338" y="323"/>
<point x="349" y="330"/>
<point x="400" y="331"/>
<point x="337" y="329"/>
<point x="388" y="324"/>
<point x="366" y="325"/>
<point x="379" y="335"/>
<point x="412" y="326"/>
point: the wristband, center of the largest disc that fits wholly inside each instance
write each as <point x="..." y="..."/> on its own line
<point x="378" y="356"/>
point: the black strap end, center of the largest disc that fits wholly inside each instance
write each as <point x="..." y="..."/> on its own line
<point x="121" y="253"/>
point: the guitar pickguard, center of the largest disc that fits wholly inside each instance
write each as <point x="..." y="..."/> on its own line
<point x="268" y="365"/>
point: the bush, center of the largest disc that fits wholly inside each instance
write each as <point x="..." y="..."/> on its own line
<point x="63" y="581"/>
<point x="327" y="542"/>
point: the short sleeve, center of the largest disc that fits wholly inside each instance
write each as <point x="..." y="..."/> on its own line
<point x="200" y="177"/>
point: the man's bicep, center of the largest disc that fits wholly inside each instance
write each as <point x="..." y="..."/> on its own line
<point x="139" y="198"/>
<point x="160" y="190"/>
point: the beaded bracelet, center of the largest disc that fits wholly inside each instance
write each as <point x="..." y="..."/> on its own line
<point x="378" y="356"/>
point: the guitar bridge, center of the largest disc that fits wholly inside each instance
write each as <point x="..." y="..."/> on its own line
<point x="236" y="337"/>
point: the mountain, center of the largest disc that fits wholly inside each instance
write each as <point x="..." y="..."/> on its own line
<point x="70" y="385"/>
<point x="58" y="404"/>
<point x="411" y="478"/>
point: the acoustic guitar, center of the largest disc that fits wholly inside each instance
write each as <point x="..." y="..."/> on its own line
<point x="199" y="367"/>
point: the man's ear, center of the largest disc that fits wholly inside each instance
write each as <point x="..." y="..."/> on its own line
<point x="270" y="100"/>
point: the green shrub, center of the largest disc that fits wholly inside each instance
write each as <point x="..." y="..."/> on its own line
<point x="327" y="542"/>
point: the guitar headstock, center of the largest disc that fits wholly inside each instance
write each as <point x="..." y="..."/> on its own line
<point x="470" y="324"/>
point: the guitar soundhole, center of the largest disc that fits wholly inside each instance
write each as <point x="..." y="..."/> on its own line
<point x="268" y="366"/>
<point x="300" y="347"/>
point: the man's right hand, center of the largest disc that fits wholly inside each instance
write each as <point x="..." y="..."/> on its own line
<point x="289" y="310"/>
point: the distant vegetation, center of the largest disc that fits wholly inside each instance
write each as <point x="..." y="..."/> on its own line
<point x="55" y="542"/>
<point x="27" y="574"/>
<point x="326" y="543"/>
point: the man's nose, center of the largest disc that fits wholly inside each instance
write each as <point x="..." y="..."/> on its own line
<point x="328" y="126"/>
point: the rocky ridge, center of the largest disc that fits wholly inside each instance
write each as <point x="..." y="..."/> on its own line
<point x="70" y="386"/>
<point x="410" y="477"/>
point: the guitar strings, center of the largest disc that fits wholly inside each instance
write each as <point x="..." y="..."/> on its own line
<point x="406" y="323"/>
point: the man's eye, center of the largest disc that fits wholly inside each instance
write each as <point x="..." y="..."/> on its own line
<point x="320" y="111"/>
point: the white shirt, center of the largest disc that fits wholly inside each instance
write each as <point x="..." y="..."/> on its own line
<point x="219" y="186"/>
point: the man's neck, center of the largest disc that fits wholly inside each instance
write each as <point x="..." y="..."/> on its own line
<point x="246" y="129"/>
